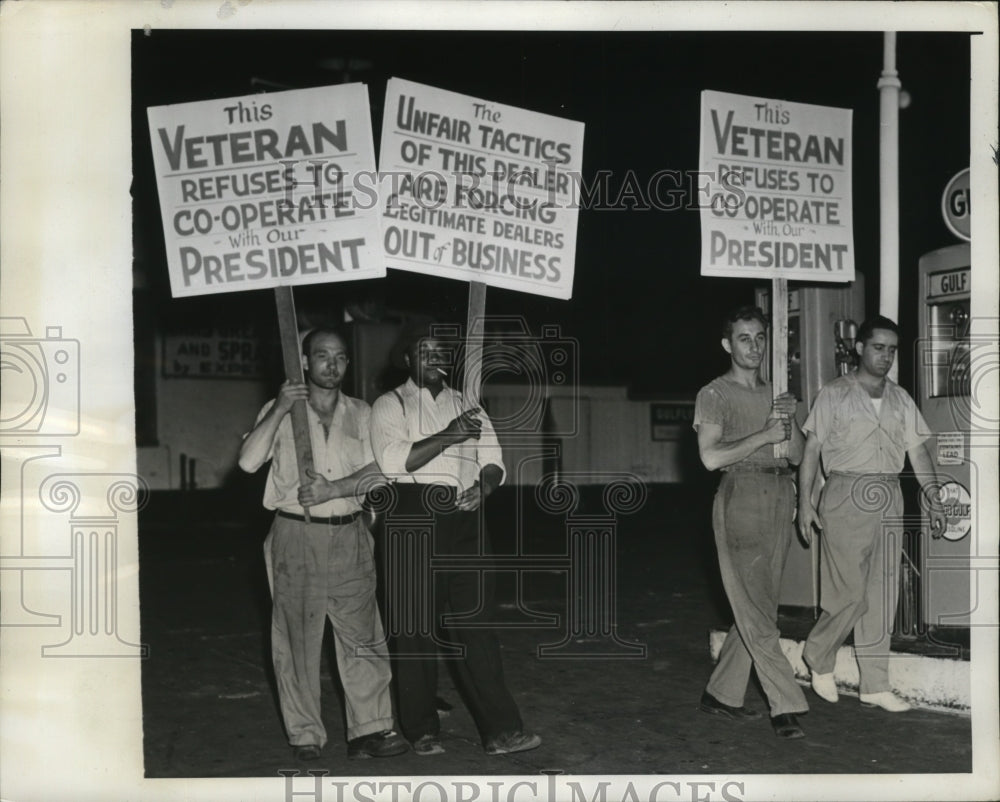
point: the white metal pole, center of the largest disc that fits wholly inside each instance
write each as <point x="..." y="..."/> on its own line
<point x="888" y="87"/>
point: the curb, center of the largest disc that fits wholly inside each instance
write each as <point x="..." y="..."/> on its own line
<point x="928" y="683"/>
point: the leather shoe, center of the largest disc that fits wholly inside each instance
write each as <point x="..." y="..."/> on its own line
<point x="428" y="745"/>
<point x="377" y="744"/>
<point x="709" y="704"/>
<point x="307" y="752"/>
<point x="512" y="742"/>
<point x="787" y="726"/>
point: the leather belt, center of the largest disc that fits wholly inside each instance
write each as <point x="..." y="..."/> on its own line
<point x="776" y="470"/>
<point x="334" y="520"/>
<point x="875" y="477"/>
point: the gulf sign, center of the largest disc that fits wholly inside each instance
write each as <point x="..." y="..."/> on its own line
<point x="955" y="205"/>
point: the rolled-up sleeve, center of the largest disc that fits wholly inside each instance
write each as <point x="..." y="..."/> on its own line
<point x="709" y="407"/>
<point x="488" y="448"/>
<point x="820" y="416"/>
<point x="390" y="439"/>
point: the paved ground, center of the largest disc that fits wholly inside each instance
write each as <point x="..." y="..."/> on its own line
<point x="210" y="710"/>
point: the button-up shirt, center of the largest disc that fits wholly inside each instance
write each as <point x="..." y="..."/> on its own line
<point x="854" y="438"/>
<point x="400" y="421"/>
<point x="340" y="453"/>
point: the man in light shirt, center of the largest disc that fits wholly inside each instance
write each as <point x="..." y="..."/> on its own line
<point x="863" y="426"/>
<point x="444" y="460"/>
<point x="323" y="568"/>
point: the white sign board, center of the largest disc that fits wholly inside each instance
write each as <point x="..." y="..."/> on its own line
<point x="479" y="191"/>
<point x="267" y="190"/>
<point x="950" y="448"/>
<point x="779" y="192"/>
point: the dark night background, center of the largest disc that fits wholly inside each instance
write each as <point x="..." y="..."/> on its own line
<point x="643" y="316"/>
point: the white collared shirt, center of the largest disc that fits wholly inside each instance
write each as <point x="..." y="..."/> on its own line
<point x="345" y="450"/>
<point x="397" y="426"/>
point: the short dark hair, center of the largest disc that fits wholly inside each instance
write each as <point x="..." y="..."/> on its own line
<point x="312" y="334"/>
<point x="878" y="322"/>
<point x="412" y="331"/>
<point x="747" y="312"/>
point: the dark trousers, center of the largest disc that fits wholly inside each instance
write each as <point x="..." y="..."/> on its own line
<point x="435" y="611"/>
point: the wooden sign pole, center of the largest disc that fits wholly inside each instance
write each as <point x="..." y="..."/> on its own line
<point x="474" y="331"/>
<point x="473" y="367"/>
<point x="291" y="353"/>
<point x="779" y="384"/>
<point x="779" y="347"/>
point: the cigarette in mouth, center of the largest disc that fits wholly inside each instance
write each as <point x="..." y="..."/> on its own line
<point x="441" y="371"/>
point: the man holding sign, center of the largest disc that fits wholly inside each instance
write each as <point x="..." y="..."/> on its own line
<point x="323" y="566"/>
<point x="738" y="423"/>
<point x="445" y="460"/>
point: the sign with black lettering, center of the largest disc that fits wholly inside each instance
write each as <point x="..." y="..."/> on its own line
<point x="777" y="204"/>
<point x="267" y="190"/>
<point x="957" y="504"/>
<point x="956" y="206"/>
<point x="669" y="419"/>
<point x="216" y="352"/>
<point x="949" y="282"/>
<point x="479" y="191"/>
<point x="951" y="448"/>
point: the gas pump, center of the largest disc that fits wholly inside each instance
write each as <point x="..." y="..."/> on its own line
<point x="822" y="325"/>
<point x="944" y="397"/>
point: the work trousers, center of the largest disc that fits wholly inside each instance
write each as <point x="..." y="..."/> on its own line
<point x="320" y="571"/>
<point x="859" y="574"/>
<point x="753" y="520"/>
<point x="433" y="611"/>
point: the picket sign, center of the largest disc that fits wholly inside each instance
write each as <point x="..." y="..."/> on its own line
<point x="481" y="192"/>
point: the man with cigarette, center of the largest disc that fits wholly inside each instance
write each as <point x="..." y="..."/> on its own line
<point x="738" y="422"/>
<point x="323" y="567"/>
<point x="862" y="426"/>
<point x="444" y="459"/>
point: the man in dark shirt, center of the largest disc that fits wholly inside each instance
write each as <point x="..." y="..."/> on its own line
<point x="738" y="422"/>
